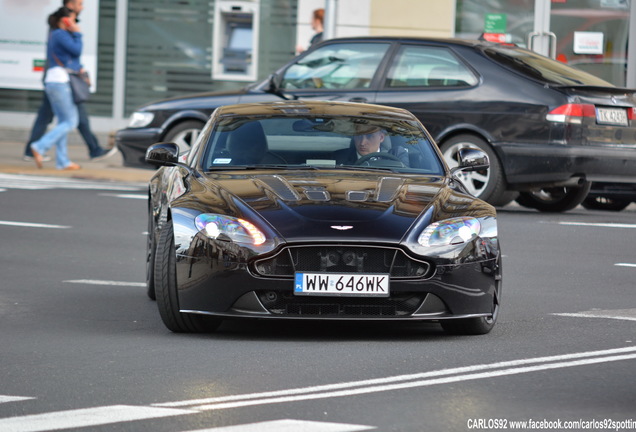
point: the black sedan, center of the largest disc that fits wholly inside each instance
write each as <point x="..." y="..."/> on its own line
<point x="319" y="211"/>
<point x="548" y="129"/>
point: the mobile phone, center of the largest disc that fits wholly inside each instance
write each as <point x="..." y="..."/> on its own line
<point x="67" y="21"/>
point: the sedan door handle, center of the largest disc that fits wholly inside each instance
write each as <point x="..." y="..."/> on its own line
<point x="358" y="99"/>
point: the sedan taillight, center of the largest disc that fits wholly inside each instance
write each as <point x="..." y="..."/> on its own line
<point x="571" y="113"/>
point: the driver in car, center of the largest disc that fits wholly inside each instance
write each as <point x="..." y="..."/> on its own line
<point x="367" y="144"/>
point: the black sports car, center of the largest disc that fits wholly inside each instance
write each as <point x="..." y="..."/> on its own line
<point x="319" y="210"/>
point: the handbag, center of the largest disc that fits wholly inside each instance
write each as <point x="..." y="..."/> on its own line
<point x="80" y="86"/>
<point x="80" y="83"/>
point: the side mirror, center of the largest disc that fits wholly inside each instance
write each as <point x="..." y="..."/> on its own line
<point x="163" y="154"/>
<point x="472" y="159"/>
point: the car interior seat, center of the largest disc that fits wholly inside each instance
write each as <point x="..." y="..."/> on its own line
<point x="247" y="145"/>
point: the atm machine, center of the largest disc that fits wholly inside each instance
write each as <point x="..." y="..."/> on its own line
<point x="235" y="43"/>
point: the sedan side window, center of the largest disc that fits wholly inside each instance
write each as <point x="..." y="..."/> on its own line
<point x="423" y="66"/>
<point x="336" y="66"/>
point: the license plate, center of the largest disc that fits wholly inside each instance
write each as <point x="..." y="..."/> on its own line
<point x="345" y="284"/>
<point x="612" y="116"/>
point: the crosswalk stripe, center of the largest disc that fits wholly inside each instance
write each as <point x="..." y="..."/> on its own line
<point x="86" y="417"/>
<point x="289" y="425"/>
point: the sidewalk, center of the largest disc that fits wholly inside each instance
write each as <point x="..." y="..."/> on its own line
<point x="110" y="169"/>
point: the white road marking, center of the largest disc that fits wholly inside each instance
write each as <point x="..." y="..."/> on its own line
<point x="124" y="413"/>
<point x="14" y="181"/>
<point x="129" y="196"/>
<point x="602" y="225"/>
<point x="5" y="399"/>
<point x="85" y="417"/>
<point x="619" y="314"/>
<point x="106" y="282"/>
<point x="625" y="265"/>
<point x="288" y="425"/>
<point x="417" y="380"/>
<point x="33" y="225"/>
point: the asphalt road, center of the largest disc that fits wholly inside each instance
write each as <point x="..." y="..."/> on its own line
<point x="83" y="348"/>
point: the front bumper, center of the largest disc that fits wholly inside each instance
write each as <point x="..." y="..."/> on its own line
<point x="133" y="143"/>
<point x="222" y="285"/>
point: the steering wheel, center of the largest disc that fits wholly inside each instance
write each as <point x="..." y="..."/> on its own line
<point x="378" y="155"/>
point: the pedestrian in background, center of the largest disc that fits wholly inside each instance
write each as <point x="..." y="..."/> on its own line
<point x="317" y="24"/>
<point x="45" y="113"/>
<point x="64" y="48"/>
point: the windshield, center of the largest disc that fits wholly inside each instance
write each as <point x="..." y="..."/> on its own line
<point x="542" y="68"/>
<point x="289" y="142"/>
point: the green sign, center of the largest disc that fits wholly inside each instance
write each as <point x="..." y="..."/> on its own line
<point x="495" y="23"/>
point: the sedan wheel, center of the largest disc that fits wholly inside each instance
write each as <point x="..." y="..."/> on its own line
<point x="555" y="200"/>
<point x="488" y="185"/>
<point x="604" y="203"/>
<point x="166" y="290"/>
<point x="184" y="134"/>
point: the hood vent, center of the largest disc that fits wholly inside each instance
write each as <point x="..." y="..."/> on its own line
<point x="280" y="187"/>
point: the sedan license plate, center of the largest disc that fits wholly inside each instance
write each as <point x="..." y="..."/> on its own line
<point x="612" y="116"/>
<point x="345" y="284"/>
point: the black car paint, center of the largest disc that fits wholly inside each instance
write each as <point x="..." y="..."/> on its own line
<point x="214" y="274"/>
<point x="220" y="278"/>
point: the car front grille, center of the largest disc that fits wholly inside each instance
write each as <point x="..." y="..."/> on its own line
<point x="284" y="303"/>
<point x="342" y="259"/>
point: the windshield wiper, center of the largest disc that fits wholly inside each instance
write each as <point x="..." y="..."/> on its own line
<point x="261" y="166"/>
<point x="365" y="168"/>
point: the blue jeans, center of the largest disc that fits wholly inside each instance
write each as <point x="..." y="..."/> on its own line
<point x="65" y="110"/>
<point x="45" y="116"/>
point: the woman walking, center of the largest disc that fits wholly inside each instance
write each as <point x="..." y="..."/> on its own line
<point x="63" y="52"/>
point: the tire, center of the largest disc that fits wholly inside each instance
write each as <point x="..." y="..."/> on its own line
<point x="479" y="325"/>
<point x="166" y="290"/>
<point x="184" y="134"/>
<point x="604" y="203"/>
<point x="150" y="259"/>
<point x="555" y="200"/>
<point x="488" y="185"/>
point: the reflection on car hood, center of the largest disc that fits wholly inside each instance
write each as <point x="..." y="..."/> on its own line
<point x="356" y="205"/>
<point x="206" y="101"/>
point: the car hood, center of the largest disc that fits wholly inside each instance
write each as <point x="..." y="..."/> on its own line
<point x="349" y="205"/>
<point x="197" y="101"/>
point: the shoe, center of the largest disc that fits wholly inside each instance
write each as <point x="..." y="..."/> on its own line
<point x="30" y="158"/>
<point x="105" y="154"/>
<point x="38" y="158"/>
<point x="71" y="167"/>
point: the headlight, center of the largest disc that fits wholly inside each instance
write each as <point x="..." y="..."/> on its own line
<point x="238" y="230"/>
<point x="450" y="231"/>
<point x="140" y="119"/>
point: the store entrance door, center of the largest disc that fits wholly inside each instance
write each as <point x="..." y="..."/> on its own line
<point x="591" y="35"/>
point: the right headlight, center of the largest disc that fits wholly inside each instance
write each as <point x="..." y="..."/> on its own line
<point x="140" y="119"/>
<point x="450" y="231"/>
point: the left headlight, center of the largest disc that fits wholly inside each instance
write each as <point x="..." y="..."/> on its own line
<point x="140" y="119"/>
<point x="238" y="230"/>
<point x="450" y="231"/>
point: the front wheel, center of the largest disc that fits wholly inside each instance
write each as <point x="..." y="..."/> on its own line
<point x="489" y="184"/>
<point x="478" y="325"/>
<point x="555" y="200"/>
<point x="166" y="290"/>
